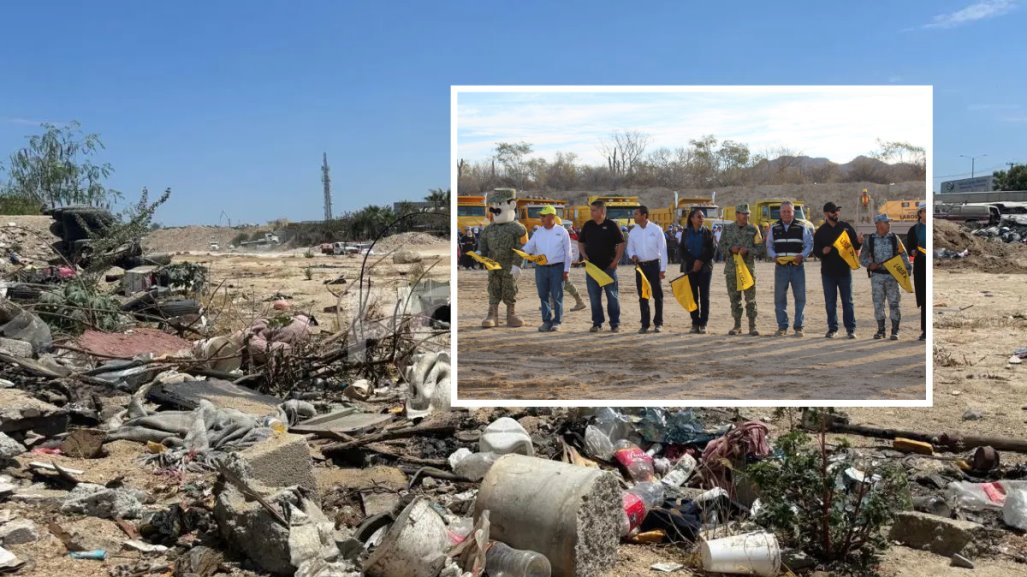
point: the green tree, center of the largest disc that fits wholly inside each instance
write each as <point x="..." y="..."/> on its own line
<point x="438" y="197"/>
<point x="57" y="169"/>
<point x="902" y="153"/>
<point x="511" y="157"/>
<point x="369" y="221"/>
<point x="1013" y="179"/>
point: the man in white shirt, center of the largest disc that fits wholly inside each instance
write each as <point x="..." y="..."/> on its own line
<point x="647" y="248"/>
<point x="554" y="242"/>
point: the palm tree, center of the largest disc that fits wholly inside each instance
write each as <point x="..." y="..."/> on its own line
<point x="438" y="197"/>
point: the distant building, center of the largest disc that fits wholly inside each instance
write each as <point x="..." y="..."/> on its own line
<point x="977" y="184"/>
<point x="420" y="206"/>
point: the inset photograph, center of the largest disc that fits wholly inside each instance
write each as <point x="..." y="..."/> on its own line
<point x="692" y="244"/>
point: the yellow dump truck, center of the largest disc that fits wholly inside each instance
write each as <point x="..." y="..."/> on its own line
<point x="900" y="210"/>
<point x="684" y="205"/>
<point x="620" y="209"/>
<point x="528" y="209"/>
<point x="766" y="212"/>
<point x="471" y="211"/>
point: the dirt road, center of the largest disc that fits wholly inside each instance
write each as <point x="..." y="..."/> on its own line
<point x="523" y="364"/>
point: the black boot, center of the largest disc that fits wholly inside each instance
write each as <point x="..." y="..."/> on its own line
<point x="880" y="331"/>
<point x="895" y="330"/>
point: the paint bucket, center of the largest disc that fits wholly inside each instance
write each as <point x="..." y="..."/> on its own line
<point x="749" y="554"/>
<point x="415" y="545"/>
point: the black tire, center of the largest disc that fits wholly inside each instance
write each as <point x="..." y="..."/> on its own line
<point x="138" y="302"/>
<point x="178" y="308"/>
<point x="57" y="229"/>
<point x="24" y="292"/>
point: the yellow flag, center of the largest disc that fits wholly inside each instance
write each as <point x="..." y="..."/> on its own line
<point x="758" y="237"/>
<point x="742" y="275"/>
<point x="898" y="270"/>
<point x="682" y="289"/>
<point x="647" y="289"/>
<point x="846" y="250"/>
<point x="902" y="247"/>
<point x="535" y="258"/>
<point x="785" y="259"/>
<point x="597" y="274"/>
<point x="922" y="249"/>
<point x="489" y="263"/>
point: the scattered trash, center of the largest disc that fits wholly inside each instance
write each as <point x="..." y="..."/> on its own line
<point x="666" y="567"/>
<point x="95" y="555"/>
<point x="502" y="560"/>
<point x="505" y="436"/>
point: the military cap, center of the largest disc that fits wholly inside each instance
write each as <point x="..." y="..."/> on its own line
<point x="881" y="218"/>
<point x="742" y="208"/>
<point x="502" y="195"/>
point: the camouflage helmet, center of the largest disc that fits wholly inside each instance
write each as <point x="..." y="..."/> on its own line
<point x="502" y="195"/>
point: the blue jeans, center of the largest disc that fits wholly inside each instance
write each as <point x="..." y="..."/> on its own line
<point x="832" y="286"/>
<point x="595" y="297"/>
<point x="549" y="280"/>
<point x="795" y="276"/>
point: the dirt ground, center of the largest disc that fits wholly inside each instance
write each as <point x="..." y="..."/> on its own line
<point x="504" y="363"/>
<point x="248" y="283"/>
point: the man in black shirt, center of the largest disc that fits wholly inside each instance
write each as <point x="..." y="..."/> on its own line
<point x="601" y="243"/>
<point x="835" y="273"/>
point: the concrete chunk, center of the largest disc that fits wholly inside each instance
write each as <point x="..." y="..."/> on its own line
<point x="99" y="501"/>
<point x="933" y="533"/>
<point x="281" y="461"/>
<point x="9" y="448"/>
<point x="21" y="412"/>
<point x="15" y="348"/>
<point x="18" y="532"/>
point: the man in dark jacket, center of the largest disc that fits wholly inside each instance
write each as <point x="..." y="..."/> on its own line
<point x="696" y="250"/>
<point x="916" y="243"/>
<point x="835" y="273"/>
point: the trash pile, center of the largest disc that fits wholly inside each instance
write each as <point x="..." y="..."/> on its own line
<point x="996" y="248"/>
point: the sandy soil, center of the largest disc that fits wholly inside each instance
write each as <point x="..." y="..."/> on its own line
<point x="247" y="283"/>
<point x="506" y="363"/>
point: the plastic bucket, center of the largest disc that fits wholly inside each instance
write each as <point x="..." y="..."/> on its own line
<point x="749" y="554"/>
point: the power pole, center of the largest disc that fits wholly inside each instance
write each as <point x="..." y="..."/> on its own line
<point x="327" y="180"/>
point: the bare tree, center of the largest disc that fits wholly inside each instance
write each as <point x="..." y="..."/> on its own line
<point x="624" y="150"/>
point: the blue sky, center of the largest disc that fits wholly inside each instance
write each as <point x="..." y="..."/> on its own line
<point x="232" y="103"/>
<point x="838" y="123"/>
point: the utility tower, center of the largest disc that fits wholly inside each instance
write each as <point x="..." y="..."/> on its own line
<point x="327" y="180"/>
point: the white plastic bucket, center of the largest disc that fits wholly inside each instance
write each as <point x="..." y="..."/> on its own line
<point x="414" y="546"/>
<point x="749" y="554"/>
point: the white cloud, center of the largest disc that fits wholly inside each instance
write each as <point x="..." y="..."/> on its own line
<point x="980" y="11"/>
<point x="836" y="123"/>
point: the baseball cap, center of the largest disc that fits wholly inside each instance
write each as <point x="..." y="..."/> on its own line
<point x="831" y="207"/>
<point x="882" y="218"/>
<point x="547" y="209"/>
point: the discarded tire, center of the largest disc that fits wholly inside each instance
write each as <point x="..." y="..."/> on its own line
<point x="569" y="514"/>
<point x="138" y="302"/>
<point x="178" y="308"/>
<point x="24" y="292"/>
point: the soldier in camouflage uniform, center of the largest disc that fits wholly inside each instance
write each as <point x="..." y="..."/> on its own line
<point x="745" y="239"/>
<point x="877" y="248"/>
<point x="497" y="242"/>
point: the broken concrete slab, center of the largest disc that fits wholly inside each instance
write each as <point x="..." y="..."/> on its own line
<point x="282" y="460"/>
<point x="382" y="476"/>
<point x="21" y="412"/>
<point x="222" y="394"/>
<point x="18" y="532"/>
<point x="248" y="527"/>
<point x="99" y="501"/>
<point x="16" y="348"/>
<point x="9" y="448"/>
<point x="89" y="534"/>
<point x="345" y="421"/>
<point x="935" y="534"/>
<point x="83" y="443"/>
<point x="377" y="503"/>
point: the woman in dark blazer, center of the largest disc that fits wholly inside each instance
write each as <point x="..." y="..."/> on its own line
<point x="916" y="239"/>
<point x="696" y="250"/>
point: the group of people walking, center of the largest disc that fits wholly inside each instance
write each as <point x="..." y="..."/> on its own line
<point x="790" y="243"/>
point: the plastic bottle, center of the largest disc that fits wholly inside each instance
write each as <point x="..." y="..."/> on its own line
<point x="634" y="460"/>
<point x="681" y="472"/>
<point x="502" y="560"/>
<point x="609" y="427"/>
<point x="637" y="502"/>
<point x="475" y="465"/>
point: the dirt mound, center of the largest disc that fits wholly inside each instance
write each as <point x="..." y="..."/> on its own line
<point x="411" y="240"/>
<point x="28" y="236"/>
<point x="986" y="254"/>
<point x="193" y="238"/>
